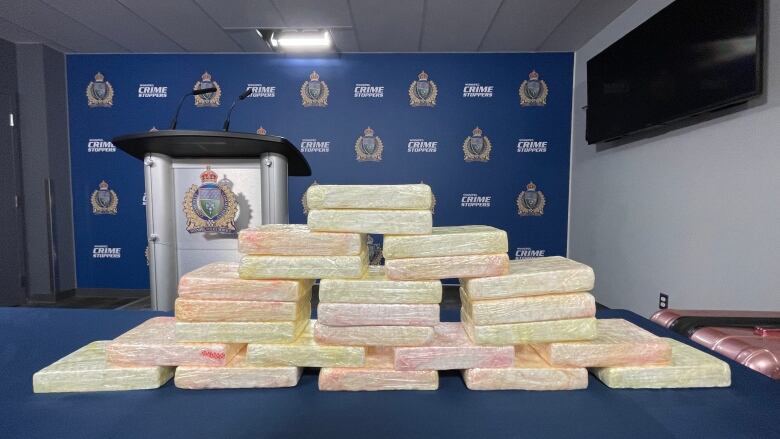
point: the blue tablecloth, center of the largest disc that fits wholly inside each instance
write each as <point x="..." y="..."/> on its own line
<point x="30" y="339"/>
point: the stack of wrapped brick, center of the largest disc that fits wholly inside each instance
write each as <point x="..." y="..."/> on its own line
<point x="374" y="311"/>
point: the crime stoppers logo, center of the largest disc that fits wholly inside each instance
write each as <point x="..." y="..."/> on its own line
<point x="475" y="200"/>
<point x="369" y="147"/>
<point x="369" y="91"/>
<point x="531" y="145"/>
<point x="315" y="145"/>
<point x="152" y="91"/>
<point x="476" y="147"/>
<point x="528" y="253"/>
<point x="100" y="145"/>
<point x="105" y="252"/>
<point x="422" y="145"/>
<point x="261" y="91"/>
<point x="531" y="201"/>
<point x="477" y="90"/>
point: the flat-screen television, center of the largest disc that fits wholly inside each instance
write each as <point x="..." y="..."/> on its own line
<point x="692" y="57"/>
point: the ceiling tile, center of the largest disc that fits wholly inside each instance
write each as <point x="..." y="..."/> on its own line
<point x="388" y="26"/>
<point x="585" y="21"/>
<point x="345" y="40"/>
<point x="248" y="40"/>
<point x="185" y="23"/>
<point x="522" y="25"/>
<point x="243" y="13"/>
<point x="15" y="34"/>
<point x="314" y="13"/>
<point x="41" y="19"/>
<point x="456" y="26"/>
<point x="116" y="23"/>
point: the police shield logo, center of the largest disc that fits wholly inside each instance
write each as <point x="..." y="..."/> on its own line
<point x="314" y="92"/>
<point x="100" y="93"/>
<point x="476" y="147"/>
<point x="104" y="200"/>
<point x="207" y="99"/>
<point x="423" y="91"/>
<point x="531" y="201"/>
<point x="533" y="91"/>
<point x="368" y="147"/>
<point x="210" y="207"/>
<point x="261" y="131"/>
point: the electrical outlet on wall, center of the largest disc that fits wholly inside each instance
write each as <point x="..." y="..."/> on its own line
<point x="663" y="301"/>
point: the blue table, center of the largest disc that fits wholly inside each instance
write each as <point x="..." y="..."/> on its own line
<point x="33" y="338"/>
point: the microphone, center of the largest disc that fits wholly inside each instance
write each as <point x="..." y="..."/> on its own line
<point x="201" y="91"/>
<point x="241" y="97"/>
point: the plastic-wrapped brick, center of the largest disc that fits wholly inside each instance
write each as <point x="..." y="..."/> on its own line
<point x="298" y="240"/>
<point x="399" y="196"/>
<point x="306" y="352"/>
<point x="153" y="343"/>
<point x="373" y="314"/>
<point x="220" y="281"/>
<point x="446" y="267"/>
<point x="238" y="310"/>
<point x="689" y="367"/>
<point x="88" y="370"/>
<point x="447" y="241"/>
<point x="529" y="372"/>
<point x="375" y="287"/>
<point x="379" y="222"/>
<point x="377" y="374"/>
<point x="243" y="332"/>
<point x="529" y="332"/>
<point x="373" y="335"/>
<point x="618" y="343"/>
<point x="238" y="374"/>
<point x="450" y="349"/>
<point x="303" y="267"/>
<point x="530" y="308"/>
<point x="535" y="276"/>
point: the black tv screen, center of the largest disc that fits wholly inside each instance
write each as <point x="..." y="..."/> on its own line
<point x="692" y="57"/>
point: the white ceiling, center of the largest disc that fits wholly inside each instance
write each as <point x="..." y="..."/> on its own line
<point x="117" y="26"/>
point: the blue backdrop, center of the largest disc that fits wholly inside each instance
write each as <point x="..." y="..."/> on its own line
<point x="529" y="143"/>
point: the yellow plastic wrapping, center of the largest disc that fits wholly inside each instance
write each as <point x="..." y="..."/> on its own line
<point x="400" y="196"/>
<point x="373" y="314"/>
<point x="238" y="374"/>
<point x="303" y="267"/>
<point x="373" y="335"/>
<point x="451" y="349"/>
<point x="529" y="309"/>
<point x="87" y="370"/>
<point x="618" y="343"/>
<point x="529" y="332"/>
<point x="243" y="332"/>
<point x="447" y="241"/>
<point x="690" y="367"/>
<point x="379" y="222"/>
<point x="220" y="281"/>
<point x="375" y="287"/>
<point x="298" y="240"/>
<point x="377" y="374"/>
<point x="446" y="267"/>
<point x="153" y="343"/>
<point x="238" y="310"/>
<point x="530" y="372"/>
<point x="530" y="277"/>
<point x="305" y="352"/>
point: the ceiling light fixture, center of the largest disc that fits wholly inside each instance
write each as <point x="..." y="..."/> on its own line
<point x="298" y="40"/>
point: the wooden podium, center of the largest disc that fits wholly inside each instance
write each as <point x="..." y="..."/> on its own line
<point x="201" y="188"/>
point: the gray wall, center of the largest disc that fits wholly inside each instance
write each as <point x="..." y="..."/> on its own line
<point x="44" y="142"/>
<point x="693" y="212"/>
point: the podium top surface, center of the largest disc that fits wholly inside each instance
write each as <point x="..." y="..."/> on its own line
<point x="212" y="144"/>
